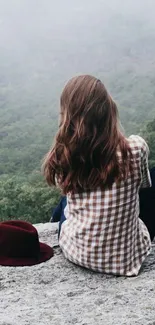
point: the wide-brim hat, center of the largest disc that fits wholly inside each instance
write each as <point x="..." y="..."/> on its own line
<point x="20" y="246"/>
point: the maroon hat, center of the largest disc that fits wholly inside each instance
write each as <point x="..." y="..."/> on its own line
<point x="19" y="245"/>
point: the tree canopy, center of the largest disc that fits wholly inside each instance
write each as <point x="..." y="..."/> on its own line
<point x="41" y="48"/>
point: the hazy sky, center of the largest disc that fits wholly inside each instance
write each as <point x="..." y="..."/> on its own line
<point x="44" y="42"/>
<point x="23" y="21"/>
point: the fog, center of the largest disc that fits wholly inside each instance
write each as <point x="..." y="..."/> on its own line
<point x="49" y="33"/>
<point x="45" y="42"/>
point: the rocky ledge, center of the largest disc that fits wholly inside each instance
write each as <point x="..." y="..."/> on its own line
<point x="58" y="292"/>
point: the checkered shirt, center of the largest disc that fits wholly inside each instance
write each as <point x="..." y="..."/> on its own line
<point x="102" y="231"/>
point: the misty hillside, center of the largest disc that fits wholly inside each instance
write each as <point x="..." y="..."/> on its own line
<point x="43" y="44"/>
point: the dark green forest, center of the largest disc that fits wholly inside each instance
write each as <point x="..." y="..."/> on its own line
<point x="41" y="47"/>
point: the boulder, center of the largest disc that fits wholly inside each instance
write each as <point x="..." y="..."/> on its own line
<point x="58" y="292"/>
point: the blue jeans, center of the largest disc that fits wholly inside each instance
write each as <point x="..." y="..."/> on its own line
<point x="58" y="213"/>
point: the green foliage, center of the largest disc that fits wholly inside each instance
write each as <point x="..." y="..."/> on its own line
<point x="26" y="201"/>
<point x="37" y="58"/>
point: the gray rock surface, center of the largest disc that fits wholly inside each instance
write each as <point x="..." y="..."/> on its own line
<point x="60" y="293"/>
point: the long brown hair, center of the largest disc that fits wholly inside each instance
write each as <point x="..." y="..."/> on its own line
<point x="85" y="152"/>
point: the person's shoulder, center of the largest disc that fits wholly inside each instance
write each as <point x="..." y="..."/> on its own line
<point x="137" y="143"/>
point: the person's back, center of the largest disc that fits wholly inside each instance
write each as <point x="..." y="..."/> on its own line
<point x="101" y="173"/>
<point x="102" y="231"/>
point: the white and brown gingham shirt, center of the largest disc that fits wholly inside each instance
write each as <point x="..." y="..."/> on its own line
<point x="102" y="231"/>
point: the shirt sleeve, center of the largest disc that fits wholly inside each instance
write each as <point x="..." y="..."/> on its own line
<point x="146" y="179"/>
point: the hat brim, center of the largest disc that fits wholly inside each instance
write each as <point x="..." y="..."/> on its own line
<point x="46" y="252"/>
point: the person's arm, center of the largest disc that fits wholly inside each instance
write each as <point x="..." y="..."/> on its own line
<point x="146" y="179"/>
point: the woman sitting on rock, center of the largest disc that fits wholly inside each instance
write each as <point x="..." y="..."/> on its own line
<point x="101" y="173"/>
